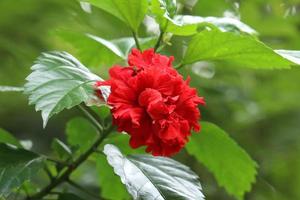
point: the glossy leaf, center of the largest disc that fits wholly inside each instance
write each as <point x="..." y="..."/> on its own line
<point x="16" y="166"/>
<point x="110" y="183"/>
<point x="6" y="137"/>
<point x="10" y="89"/>
<point x="238" y="50"/>
<point x="293" y="56"/>
<point x="189" y="25"/>
<point x="147" y="177"/>
<point x="132" y="12"/>
<point x="232" y="167"/>
<point x="59" y="81"/>
<point x="81" y="134"/>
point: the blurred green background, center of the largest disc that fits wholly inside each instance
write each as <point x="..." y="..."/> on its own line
<point x="259" y="108"/>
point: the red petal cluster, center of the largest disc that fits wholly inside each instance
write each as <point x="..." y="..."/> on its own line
<point x="151" y="102"/>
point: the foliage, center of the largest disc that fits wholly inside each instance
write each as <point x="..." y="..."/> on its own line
<point x="59" y="81"/>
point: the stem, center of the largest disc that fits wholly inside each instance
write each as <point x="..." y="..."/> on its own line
<point x="65" y="175"/>
<point x="180" y="65"/>
<point x="57" y="161"/>
<point x="158" y="40"/>
<point x="162" y="32"/>
<point x="74" y="165"/>
<point x="136" y="40"/>
<point x="79" y="187"/>
<point x="91" y="118"/>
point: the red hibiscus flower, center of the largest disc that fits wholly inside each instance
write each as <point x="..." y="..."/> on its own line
<point x="151" y="102"/>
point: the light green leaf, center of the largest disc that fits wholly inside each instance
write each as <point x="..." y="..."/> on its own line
<point x="154" y="178"/>
<point x="121" y="47"/>
<point x="10" y="89"/>
<point x="61" y="149"/>
<point x="16" y="166"/>
<point x="189" y="25"/>
<point x="81" y="134"/>
<point x="132" y="12"/>
<point x="163" y="11"/>
<point x="6" y="137"/>
<point x="293" y="56"/>
<point x="97" y="52"/>
<point x="238" y="50"/>
<point x="230" y="164"/>
<point x="59" y="81"/>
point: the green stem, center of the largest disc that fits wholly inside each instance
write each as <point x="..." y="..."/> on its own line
<point x="91" y="117"/>
<point x="136" y="40"/>
<point x="180" y="65"/>
<point x="158" y="40"/>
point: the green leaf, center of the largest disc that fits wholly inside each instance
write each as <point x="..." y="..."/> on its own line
<point x="132" y="12"/>
<point x="148" y="177"/>
<point x="80" y="133"/>
<point x="61" y="149"/>
<point x="110" y="183"/>
<point x="59" y="81"/>
<point x="230" y="164"/>
<point x="97" y="52"/>
<point x="16" y="166"/>
<point x="6" y="137"/>
<point x="188" y="25"/>
<point x="293" y="56"/>
<point x="163" y="11"/>
<point x="238" y="50"/>
<point x="69" y="196"/>
<point x="10" y="89"/>
<point x="121" y="47"/>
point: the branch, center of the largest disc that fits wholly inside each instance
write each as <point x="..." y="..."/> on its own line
<point x="72" y="166"/>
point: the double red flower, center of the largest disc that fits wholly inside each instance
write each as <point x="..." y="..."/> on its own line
<point x="151" y="102"/>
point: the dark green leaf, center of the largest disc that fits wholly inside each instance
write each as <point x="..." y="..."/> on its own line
<point x="16" y="166"/>
<point x="61" y="149"/>
<point x="132" y="12"/>
<point x="80" y="133"/>
<point x="147" y="177"/>
<point x="69" y="196"/>
<point x="59" y="81"/>
<point x="231" y="165"/>
<point x="6" y="137"/>
<point x="10" y="89"/>
<point x="238" y="50"/>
